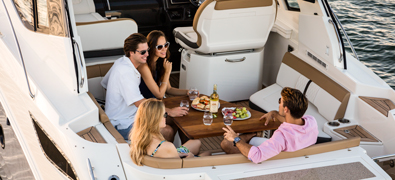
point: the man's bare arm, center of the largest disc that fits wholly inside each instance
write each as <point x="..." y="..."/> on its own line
<point x="272" y="116"/>
<point x="137" y="103"/>
<point x="244" y="147"/>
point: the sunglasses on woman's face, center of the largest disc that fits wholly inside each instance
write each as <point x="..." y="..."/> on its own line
<point x="165" y="115"/>
<point x="143" y="51"/>
<point x="160" y="47"/>
<point x="279" y="100"/>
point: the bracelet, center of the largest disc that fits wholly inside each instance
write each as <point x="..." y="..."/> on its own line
<point x="163" y="82"/>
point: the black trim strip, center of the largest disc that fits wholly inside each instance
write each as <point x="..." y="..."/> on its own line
<point x="326" y="10"/>
<point x="67" y="14"/>
<point x="338" y="32"/>
<point x="181" y="37"/>
<point x="101" y="53"/>
<point x="307" y="86"/>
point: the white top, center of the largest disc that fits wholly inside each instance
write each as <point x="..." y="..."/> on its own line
<point x="122" y="83"/>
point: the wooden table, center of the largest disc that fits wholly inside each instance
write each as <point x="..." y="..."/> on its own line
<point x="192" y="124"/>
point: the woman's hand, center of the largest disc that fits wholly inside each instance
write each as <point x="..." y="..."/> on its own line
<point x="167" y="65"/>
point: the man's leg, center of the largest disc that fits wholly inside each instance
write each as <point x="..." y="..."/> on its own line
<point x="125" y="132"/>
<point x="228" y="147"/>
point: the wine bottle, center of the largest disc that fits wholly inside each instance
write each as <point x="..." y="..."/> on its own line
<point x="214" y="101"/>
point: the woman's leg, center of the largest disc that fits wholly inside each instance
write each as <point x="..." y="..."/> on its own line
<point x="193" y="146"/>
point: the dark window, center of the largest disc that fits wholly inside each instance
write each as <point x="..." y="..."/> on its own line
<point x="292" y="5"/>
<point x="53" y="153"/>
<point x="45" y="16"/>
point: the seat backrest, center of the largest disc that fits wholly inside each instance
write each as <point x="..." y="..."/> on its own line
<point x="328" y="96"/>
<point x="83" y="6"/>
<point x="228" y="25"/>
<point x="95" y="76"/>
<point x="227" y="159"/>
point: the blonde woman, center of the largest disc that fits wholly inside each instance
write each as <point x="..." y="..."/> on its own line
<point x="146" y="138"/>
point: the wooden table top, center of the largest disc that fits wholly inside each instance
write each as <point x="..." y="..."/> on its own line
<point x="192" y="124"/>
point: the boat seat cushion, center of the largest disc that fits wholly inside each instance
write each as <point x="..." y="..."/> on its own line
<point x="265" y="98"/>
<point x="327" y="99"/>
<point x="89" y="17"/>
<point x="228" y="159"/>
<point x="228" y="25"/>
<point x="105" y="34"/>
<point x="95" y="76"/>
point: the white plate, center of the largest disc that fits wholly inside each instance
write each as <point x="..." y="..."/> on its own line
<point x="219" y="105"/>
<point x="237" y="119"/>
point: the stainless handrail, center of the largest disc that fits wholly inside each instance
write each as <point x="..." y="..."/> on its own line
<point x="347" y="38"/>
<point x="235" y="60"/>
<point x="108" y="4"/>
<point x="338" y="39"/>
<point x="92" y="175"/>
<point x="383" y="157"/>
<point x="20" y="55"/>
<point x="82" y="72"/>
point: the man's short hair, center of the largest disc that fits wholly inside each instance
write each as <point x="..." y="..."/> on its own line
<point x="295" y="101"/>
<point x="132" y="42"/>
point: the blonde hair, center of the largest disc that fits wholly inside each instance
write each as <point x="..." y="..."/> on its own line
<point x="145" y="128"/>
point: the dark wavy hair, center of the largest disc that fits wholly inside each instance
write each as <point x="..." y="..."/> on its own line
<point x="153" y="38"/>
<point x="295" y="101"/>
<point x="132" y="42"/>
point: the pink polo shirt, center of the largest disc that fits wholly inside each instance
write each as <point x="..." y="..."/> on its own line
<point x="288" y="137"/>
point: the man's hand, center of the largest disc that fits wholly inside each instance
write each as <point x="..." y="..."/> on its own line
<point x="272" y="116"/>
<point x="229" y="134"/>
<point x="177" y="111"/>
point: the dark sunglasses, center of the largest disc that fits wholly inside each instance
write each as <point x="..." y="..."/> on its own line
<point x="279" y="100"/>
<point x="143" y="51"/>
<point x="160" y="47"/>
<point x="165" y="115"/>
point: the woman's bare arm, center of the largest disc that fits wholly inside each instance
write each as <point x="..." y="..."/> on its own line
<point x="158" y="92"/>
<point x="176" y="91"/>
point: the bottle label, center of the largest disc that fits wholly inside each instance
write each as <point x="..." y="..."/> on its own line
<point x="214" y="106"/>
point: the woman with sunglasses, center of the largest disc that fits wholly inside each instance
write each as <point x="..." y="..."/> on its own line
<point x="146" y="138"/>
<point x="156" y="72"/>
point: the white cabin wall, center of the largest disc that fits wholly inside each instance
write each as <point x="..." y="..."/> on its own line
<point x="317" y="35"/>
<point x="275" y="48"/>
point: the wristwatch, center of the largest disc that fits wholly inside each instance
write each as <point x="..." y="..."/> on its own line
<point x="236" y="140"/>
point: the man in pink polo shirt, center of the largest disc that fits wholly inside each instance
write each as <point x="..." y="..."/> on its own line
<point x="297" y="131"/>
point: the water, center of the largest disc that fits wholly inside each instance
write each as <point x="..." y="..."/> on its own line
<point x="370" y="26"/>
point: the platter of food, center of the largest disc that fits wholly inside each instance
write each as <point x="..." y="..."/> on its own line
<point x="202" y="103"/>
<point x="239" y="113"/>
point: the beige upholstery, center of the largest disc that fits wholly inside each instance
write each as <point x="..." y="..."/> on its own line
<point x="162" y="163"/>
<point x="106" y="122"/>
<point x="327" y="99"/>
<point x="98" y="33"/>
<point x="229" y="25"/>
<point x="105" y="34"/>
<point x="239" y="158"/>
<point x="95" y="75"/>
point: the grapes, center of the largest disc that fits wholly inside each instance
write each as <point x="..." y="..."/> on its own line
<point x="240" y="112"/>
